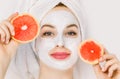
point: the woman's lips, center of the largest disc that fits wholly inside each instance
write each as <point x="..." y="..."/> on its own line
<point x="60" y="55"/>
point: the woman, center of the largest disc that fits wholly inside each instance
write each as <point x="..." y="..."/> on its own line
<point x="61" y="32"/>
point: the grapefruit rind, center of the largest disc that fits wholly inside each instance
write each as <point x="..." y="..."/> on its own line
<point x="38" y="30"/>
<point x="87" y="61"/>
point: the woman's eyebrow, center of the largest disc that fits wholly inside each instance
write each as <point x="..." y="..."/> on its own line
<point x="47" y="25"/>
<point x="72" y="25"/>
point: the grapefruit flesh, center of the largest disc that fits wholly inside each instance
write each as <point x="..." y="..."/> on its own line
<point x="90" y="51"/>
<point x="26" y="28"/>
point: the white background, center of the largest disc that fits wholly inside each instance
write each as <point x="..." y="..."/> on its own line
<point x="104" y="23"/>
<point x="103" y="17"/>
<point x="104" y="26"/>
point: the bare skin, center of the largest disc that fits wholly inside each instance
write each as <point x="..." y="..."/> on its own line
<point x="6" y="53"/>
<point x="47" y="72"/>
<point x="111" y="70"/>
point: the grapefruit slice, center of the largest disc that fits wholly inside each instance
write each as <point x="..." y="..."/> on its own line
<point x="26" y="28"/>
<point x="90" y="51"/>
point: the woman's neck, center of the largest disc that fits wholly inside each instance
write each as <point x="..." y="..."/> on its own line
<point x="50" y="73"/>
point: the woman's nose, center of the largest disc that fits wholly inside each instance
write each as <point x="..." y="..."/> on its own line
<point x="60" y="42"/>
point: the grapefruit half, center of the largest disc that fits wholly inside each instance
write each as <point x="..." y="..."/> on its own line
<point x="26" y="28"/>
<point x="90" y="51"/>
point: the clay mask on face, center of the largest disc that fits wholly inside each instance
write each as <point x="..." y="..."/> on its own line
<point x="60" y="19"/>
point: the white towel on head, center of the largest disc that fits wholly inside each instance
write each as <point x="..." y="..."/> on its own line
<point x="41" y="7"/>
<point x="25" y="60"/>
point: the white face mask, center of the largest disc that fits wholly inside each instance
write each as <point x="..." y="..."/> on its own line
<point x="60" y="19"/>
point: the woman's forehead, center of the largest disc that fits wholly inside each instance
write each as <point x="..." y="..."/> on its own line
<point x="60" y="8"/>
<point x="59" y="16"/>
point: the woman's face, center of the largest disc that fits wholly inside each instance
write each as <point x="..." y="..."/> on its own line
<point x="59" y="39"/>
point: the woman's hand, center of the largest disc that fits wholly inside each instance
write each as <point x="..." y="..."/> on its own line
<point x="7" y="45"/>
<point x="110" y="70"/>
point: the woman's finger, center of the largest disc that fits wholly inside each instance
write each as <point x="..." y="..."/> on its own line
<point x="112" y="69"/>
<point x="97" y="69"/>
<point x="108" y="64"/>
<point x="106" y="57"/>
<point x="6" y="31"/>
<point x="12" y="16"/>
<point x="2" y="35"/>
<point x="10" y="27"/>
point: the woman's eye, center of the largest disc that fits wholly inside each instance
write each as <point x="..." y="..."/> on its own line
<point x="47" y="34"/>
<point x="71" y="33"/>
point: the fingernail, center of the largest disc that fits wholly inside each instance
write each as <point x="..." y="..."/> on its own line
<point x="7" y="42"/>
<point x="109" y="75"/>
<point x="100" y="59"/>
<point x="3" y="40"/>
<point x="17" y="12"/>
<point x="103" y="69"/>
<point x="13" y="33"/>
